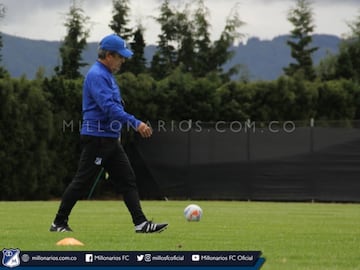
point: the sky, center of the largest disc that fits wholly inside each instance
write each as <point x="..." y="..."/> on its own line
<point x="265" y="19"/>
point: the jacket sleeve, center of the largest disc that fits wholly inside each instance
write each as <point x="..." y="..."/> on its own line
<point x="111" y="107"/>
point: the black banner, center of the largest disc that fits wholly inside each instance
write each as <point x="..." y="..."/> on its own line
<point x="14" y="257"/>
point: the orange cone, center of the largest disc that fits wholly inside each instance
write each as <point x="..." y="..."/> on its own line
<point x="69" y="241"/>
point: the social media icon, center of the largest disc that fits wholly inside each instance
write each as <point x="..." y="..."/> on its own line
<point x="147" y="257"/>
<point x="89" y="258"/>
<point x="139" y="258"/>
<point x="195" y="257"/>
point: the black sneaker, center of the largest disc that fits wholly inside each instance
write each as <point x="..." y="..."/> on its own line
<point x="150" y="227"/>
<point x="60" y="228"/>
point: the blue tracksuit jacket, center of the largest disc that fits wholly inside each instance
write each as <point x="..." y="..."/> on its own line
<point x="103" y="111"/>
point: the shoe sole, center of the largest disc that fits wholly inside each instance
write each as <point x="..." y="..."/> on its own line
<point x="60" y="231"/>
<point x="159" y="231"/>
<point x="162" y="229"/>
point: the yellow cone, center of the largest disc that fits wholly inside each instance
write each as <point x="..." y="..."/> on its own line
<point x="69" y="241"/>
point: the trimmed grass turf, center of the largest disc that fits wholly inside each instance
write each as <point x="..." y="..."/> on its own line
<point x="299" y="236"/>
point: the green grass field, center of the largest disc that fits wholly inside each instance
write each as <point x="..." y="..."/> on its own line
<point x="292" y="236"/>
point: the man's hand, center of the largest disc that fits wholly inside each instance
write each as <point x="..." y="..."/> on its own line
<point x="144" y="130"/>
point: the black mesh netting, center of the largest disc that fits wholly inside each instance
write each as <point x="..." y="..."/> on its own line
<point x="265" y="162"/>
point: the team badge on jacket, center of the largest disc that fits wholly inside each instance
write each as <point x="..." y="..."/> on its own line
<point x="11" y="257"/>
<point x="98" y="160"/>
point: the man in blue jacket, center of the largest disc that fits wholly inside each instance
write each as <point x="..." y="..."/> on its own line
<point x="103" y="118"/>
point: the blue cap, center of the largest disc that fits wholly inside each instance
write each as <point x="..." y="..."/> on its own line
<point x="116" y="44"/>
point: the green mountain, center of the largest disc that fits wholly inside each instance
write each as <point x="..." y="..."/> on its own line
<point x="263" y="59"/>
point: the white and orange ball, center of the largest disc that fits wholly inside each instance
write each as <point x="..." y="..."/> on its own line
<point x="193" y="212"/>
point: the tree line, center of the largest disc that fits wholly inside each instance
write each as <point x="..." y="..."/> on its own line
<point x="39" y="128"/>
<point x="39" y="149"/>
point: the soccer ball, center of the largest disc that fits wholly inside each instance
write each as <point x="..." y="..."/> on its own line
<point x="193" y="212"/>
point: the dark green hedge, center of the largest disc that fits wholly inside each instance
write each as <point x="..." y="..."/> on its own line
<point x="39" y="130"/>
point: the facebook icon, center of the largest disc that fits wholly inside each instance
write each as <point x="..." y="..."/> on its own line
<point x="89" y="258"/>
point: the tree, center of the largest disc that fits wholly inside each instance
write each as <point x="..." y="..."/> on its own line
<point x="327" y="67"/>
<point x="74" y="43"/>
<point x="348" y="61"/>
<point x="120" y="21"/>
<point x="202" y="42"/>
<point x="26" y="127"/>
<point x="65" y="99"/>
<point x="301" y="17"/>
<point x="163" y="61"/>
<point x="119" y="24"/>
<point x="220" y="52"/>
<point x="185" y="42"/>
<point x="137" y="63"/>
